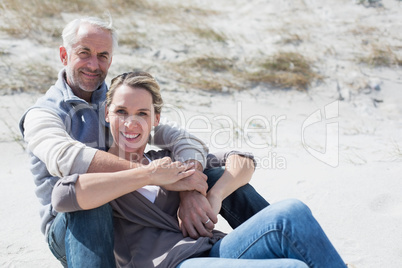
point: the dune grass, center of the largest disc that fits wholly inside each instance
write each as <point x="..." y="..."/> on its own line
<point x="207" y="73"/>
<point x="285" y="70"/>
<point x="41" y="21"/>
<point x="381" y="56"/>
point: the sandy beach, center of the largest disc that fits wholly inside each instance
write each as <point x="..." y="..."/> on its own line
<point x="336" y="146"/>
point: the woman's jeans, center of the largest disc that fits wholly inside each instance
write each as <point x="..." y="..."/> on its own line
<point x="85" y="238"/>
<point x="284" y="234"/>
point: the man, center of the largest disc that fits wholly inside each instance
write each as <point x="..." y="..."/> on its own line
<point x="66" y="134"/>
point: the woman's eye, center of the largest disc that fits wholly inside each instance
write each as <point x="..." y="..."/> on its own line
<point x="142" y="114"/>
<point x="121" y="112"/>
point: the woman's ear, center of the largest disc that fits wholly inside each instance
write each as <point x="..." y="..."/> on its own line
<point x="107" y="114"/>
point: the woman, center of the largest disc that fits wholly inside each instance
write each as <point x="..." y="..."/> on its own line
<point x="147" y="232"/>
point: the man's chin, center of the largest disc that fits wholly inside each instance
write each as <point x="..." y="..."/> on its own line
<point x="89" y="89"/>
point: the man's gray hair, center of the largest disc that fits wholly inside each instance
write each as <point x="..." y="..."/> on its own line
<point x="70" y="31"/>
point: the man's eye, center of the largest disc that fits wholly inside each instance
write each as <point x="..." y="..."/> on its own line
<point x="83" y="54"/>
<point x="104" y="57"/>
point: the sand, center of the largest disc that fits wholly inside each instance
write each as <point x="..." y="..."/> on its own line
<point x="336" y="147"/>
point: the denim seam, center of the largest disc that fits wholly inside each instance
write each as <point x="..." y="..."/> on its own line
<point x="233" y="215"/>
<point x="274" y="230"/>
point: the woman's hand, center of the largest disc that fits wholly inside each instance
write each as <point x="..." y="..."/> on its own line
<point x="197" y="181"/>
<point x="163" y="172"/>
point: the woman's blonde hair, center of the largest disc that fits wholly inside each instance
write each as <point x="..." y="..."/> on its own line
<point x="140" y="80"/>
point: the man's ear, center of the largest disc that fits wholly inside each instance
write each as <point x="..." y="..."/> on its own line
<point x="63" y="55"/>
<point x="157" y="119"/>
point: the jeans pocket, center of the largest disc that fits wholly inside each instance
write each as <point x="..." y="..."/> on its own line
<point x="57" y="251"/>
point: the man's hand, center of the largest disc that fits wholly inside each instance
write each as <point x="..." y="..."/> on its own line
<point x="196" y="216"/>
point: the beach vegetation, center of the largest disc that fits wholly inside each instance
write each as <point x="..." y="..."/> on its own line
<point x="210" y="63"/>
<point x="207" y="73"/>
<point x="285" y="70"/>
<point x="35" y="76"/>
<point x="208" y="33"/>
<point x="381" y="56"/>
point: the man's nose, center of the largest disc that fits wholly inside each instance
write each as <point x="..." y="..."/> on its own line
<point x="93" y="63"/>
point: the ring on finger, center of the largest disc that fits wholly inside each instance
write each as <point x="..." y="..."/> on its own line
<point x="207" y="221"/>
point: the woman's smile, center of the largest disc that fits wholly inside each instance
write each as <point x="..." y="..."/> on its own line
<point x="130" y="136"/>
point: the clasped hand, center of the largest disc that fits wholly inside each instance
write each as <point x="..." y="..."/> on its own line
<point x="198" y="212"/>
<point x="176" y="176"/>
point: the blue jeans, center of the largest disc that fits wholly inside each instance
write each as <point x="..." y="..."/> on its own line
<point x="83" y="238"/>
<point x="285" y="234"/>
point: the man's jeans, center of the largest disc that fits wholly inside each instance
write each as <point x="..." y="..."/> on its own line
<point x="284" y="234"/>
<point x="85" y="238"/>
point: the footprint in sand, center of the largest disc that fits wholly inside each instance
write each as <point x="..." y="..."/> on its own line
<point x="386" y="204"/>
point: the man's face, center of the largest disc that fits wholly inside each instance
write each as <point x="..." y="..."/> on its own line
<point x="89" y="60"/>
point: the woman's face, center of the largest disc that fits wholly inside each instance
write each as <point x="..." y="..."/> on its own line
<point x="131" y="116"/>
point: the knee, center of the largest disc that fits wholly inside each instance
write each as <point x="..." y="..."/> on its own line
<point x="289" y="210"/>
<point x="98" y="218"/>
<point x="296" y="206"/>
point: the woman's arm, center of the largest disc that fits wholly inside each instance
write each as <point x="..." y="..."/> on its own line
<point x="92" y="190"/>
<point x="238" y="172"/>
<point x="183" y="145"/>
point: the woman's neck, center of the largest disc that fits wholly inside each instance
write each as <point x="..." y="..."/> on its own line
<point x="136" y="156"/>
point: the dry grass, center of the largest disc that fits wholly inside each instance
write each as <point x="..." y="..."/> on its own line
<point x="34" y="76"/>
<point x="207" y="73"/>
<point x="175" y="27"/>
<point x="42" y="21"/>
<point x="285" y="70"/>
<point x="38" y="19"/>
<point x="208" y="33"/>
<point x="360" y="30"/>
<point x="381" y="56"/>
<point x="212" y="64"/>
<point x="292" y="39"/>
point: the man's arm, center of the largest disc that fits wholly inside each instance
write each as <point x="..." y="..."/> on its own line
<point x="48" y="139"/>
<point x="183" y="145"/>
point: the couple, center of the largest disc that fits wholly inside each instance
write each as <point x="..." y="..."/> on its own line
<point x="78" y="182"/>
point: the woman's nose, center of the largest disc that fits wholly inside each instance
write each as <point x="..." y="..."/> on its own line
<point x="130" y="121"/>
